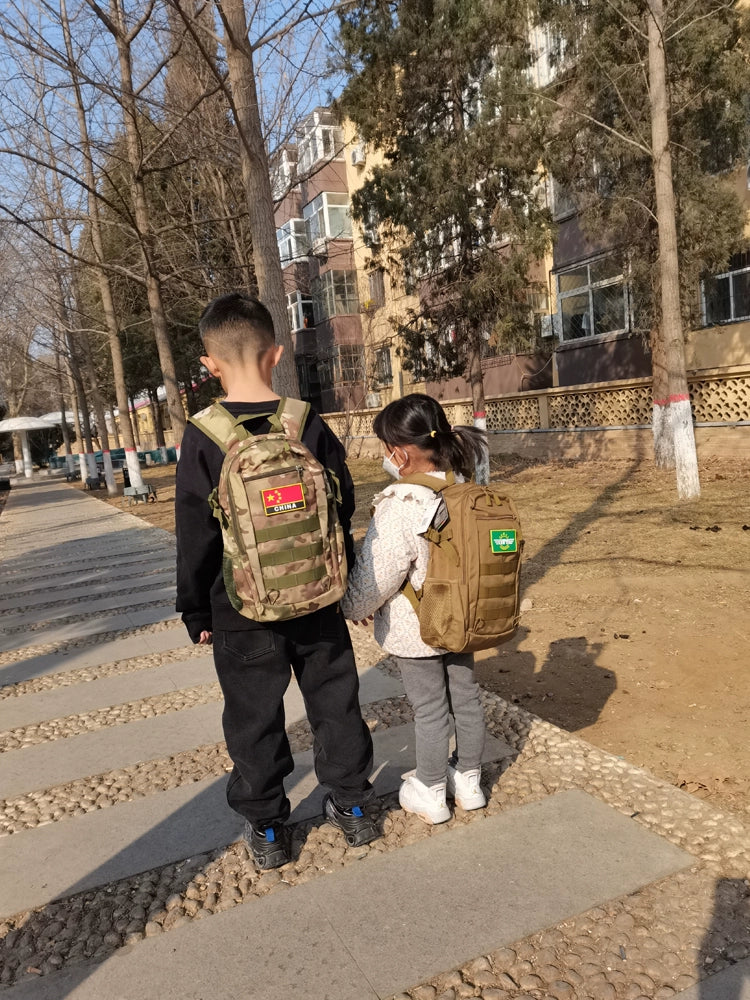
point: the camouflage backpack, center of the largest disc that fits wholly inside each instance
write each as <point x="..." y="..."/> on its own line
<point x="469" y="599"/>
<point x="284" y="550"/>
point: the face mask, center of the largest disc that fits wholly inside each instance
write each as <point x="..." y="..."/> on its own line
<point x="390" y="466"/>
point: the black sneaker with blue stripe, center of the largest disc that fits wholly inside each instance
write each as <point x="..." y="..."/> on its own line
<point x="269" y="844"/>
<point x="355" y="825"/>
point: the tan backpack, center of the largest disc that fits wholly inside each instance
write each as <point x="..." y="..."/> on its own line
<point x="469" y="599"/>
<point x="284" y="552"/>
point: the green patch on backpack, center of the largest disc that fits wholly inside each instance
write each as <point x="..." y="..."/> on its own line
<point x="503" y="541"/>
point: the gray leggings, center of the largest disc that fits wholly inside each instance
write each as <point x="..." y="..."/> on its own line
<point x="438" y="687"/>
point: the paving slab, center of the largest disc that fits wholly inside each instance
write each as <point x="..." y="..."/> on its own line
<point x="115" y="690"/>
<point x="729" y="984"/>
<point x="59" y="761"/>
<point x="496" y="881"/>
<point x="72" y="588"/>
<point x="110" y="602"/>
<point x="86" y="851"/>
<point x="110" y="748"/>
<point x="128" y="562"/>
<point x="92" y="656"/>
<point x="91" y="626"/>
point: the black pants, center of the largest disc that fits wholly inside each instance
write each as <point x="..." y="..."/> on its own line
<point x="254" y="668"/>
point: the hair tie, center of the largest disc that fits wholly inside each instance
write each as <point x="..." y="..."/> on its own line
<point x="433" y="433"/>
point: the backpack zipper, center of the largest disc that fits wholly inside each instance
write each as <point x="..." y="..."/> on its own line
<point x="264" y="475"/>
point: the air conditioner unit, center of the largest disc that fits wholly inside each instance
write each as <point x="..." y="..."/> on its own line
<point x="358" y="156"/>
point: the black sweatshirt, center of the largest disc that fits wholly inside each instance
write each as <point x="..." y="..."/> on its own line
<point x="201" y="595"/>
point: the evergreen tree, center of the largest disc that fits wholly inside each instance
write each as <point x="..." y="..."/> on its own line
<point x="650" y="102"/>
<point x="442" y="89"/>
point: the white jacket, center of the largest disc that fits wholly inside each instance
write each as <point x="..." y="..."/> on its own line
<point x="391" y="551"/>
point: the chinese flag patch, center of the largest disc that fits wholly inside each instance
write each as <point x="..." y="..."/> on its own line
<point x="283" y="498"/>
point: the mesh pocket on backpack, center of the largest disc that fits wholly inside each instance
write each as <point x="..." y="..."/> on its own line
<point x="442" y="615"/>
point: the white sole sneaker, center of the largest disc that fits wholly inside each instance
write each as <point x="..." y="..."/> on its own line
<point x="464" y="788"/>
<point x="427" y="803"/>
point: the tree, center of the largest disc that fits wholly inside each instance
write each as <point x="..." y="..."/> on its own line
<point x="441" y="89"/>
<point x="650" y="114"/>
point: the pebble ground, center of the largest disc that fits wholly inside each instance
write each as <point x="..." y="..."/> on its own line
<point x="649" y="945"/>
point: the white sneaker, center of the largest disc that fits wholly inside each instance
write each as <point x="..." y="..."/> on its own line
<point x="427" y="803"/>
<point x="463" y="786"/>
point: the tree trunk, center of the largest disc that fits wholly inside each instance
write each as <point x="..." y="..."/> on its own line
<point x="143" y="224"/>
<point x="476" y="382"/>
<point x="88" y="462"/>
<point x="686" y="461"/>
<point x="661" y="423"/>
<point x="257" y="183"/>
<point x="105" y="289"/>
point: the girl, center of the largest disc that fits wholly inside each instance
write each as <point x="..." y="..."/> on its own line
<point x="417" y="438"/>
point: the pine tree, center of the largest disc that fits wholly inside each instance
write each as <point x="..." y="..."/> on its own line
<point x="650" y="115"/>
<point x="442" y="89"/>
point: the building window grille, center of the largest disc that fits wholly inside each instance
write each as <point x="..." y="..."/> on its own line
<point x="376" y="283"/>
<point x="383" y="370"/>
<point x="726" y="296"/>
<point x="348" y="364"/>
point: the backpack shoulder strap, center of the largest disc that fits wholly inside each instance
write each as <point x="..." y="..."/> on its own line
<point x="434" y="483"/>
<point x="292" y="415"/>
<point x="217" y="423"/>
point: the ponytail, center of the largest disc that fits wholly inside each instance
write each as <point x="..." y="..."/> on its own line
<point x="419" y="419"/>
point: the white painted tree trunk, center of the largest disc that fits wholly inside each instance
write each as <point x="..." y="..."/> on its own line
<point x="686" y="462"/>
<point x="661" y="425"/>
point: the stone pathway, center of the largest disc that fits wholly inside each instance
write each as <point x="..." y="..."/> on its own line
<point x="121" y="871"/>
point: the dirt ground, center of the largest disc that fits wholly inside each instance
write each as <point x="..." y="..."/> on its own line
<point x="638" y="637"/>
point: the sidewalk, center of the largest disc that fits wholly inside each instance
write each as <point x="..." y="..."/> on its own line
<point x="122" y="872"/>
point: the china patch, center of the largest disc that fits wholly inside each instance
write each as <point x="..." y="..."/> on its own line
<point x="504" y="540"/>
<point x="283" y="498"/>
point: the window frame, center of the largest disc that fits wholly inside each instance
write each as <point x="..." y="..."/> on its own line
<point x="294" y="233"/>
<point x="588" y="289"/>
<point x="730" y="275"/>
<point x="296" y="302"/>
<point x="325" y="294"/>
<point x="318" y="212"/>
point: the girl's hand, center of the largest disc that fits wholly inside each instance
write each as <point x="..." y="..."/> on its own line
<point x="365" y="621"/>
<point x="206" y="638"/>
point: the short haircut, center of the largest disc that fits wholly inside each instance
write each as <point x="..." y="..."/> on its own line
<point x="236" y="328"/>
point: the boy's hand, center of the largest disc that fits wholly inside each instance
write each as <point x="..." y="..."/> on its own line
<point x="206" y="638"/>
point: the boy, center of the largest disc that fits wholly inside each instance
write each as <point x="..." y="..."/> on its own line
<point x="253" y="660"/>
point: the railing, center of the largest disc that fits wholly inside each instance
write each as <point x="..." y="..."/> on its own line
<point x="717" y="398"/>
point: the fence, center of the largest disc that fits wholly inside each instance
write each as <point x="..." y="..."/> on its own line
<point x="719" y="399"/>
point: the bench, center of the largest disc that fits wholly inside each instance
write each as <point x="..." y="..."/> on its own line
<point x="138" y="494"/>
<point x="93" y="483"/>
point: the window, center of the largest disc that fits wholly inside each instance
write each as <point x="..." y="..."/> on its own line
<point x="327" y="217"/>
<point x="592" y="299"/>
<point x="376" y="282"/>
<point x="292" y="241"/>
<point x="726" y="297"/>
<point x="299" y="309"/>
<point x="383" y="370"/>
<point x="320" y="142"/>
<point x="335" y="294"/>
<point x="349" y="364"/>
